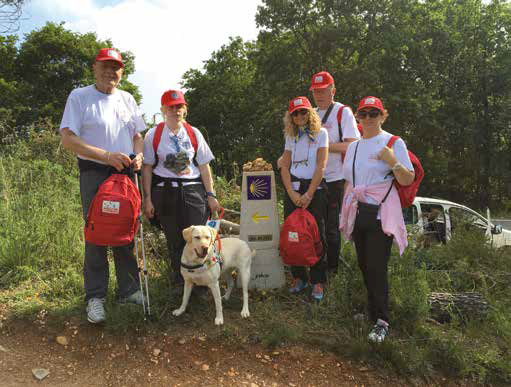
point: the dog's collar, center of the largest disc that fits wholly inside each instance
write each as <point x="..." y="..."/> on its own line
<point x="207" y="264"/>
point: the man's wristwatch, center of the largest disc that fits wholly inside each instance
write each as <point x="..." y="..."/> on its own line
<point x="212" y="194"/>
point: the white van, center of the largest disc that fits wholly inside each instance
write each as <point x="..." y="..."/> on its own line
<point x="437" y="219"/>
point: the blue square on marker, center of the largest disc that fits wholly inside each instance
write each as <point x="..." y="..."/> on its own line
<point x="259" y="187"/>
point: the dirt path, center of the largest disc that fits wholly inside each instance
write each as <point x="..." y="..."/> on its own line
<point x="95" y="357"/>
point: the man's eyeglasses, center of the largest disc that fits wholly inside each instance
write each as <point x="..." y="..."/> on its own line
<point x="301" y="112"/>
<point x="371" y="113"/>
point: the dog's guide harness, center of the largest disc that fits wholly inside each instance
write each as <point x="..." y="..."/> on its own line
<point x="208" y="263"/>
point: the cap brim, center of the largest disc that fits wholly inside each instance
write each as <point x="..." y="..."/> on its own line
<point x="369" y="106"/>
<point x="313" y="87"/>
<point x="298" y="108"/>
<point x="172" y="103"/>
<point x="112" y="59"/>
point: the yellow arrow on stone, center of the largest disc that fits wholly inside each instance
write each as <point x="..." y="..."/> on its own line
<point x="256" y="218"/>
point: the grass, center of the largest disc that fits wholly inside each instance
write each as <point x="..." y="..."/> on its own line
<point x="41" y="254"/>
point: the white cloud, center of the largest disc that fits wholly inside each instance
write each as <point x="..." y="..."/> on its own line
<point x="167" y="37"/>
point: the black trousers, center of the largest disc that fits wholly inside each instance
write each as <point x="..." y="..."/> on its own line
<point x="333" y="235"/>
<point x="317" y="208"/>
<point x="373" y="252"/>
<point x="182" y="210"/>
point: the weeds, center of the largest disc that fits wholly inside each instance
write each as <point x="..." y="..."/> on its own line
<point x="41" y="254"/>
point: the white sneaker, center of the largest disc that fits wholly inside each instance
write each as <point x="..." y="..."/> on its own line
<point x="135" y="298"/>
<point x="379" y="331"/>
<point x="95" y="310"/>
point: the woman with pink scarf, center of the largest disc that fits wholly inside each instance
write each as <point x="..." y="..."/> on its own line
<point x="371" y="213"/>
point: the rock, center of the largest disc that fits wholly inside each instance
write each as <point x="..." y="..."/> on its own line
<point x="2" y="349"/>
<point x="62" y="340"/>
<point x="205" y="367"/>
<point x="40" y="373"/>
<point x="182" y="341"/>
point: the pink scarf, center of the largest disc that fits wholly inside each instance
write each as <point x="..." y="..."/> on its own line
<point x="391" y="215"/>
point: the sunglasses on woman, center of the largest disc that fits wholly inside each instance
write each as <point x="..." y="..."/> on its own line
<point x="371" y="113"/>
<point x="301" y="112"/>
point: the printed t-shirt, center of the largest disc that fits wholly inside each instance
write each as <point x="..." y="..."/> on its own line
<point x="166" y="146"/>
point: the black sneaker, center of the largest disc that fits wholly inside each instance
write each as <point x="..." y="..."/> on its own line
<point x="379" y="331"/>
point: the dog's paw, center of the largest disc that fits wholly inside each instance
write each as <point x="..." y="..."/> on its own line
<point x="178" y="312"/>
<point x="219" y="321"/>
<point x="245" y="313"/>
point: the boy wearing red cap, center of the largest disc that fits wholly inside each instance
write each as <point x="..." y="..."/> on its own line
<point x="177" y="180"/>
<point x="340" y="123"/>
<point x="101" y="125"/>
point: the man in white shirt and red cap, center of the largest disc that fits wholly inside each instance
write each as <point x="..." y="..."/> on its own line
<point x="101" y="125"/>
<point x="339" y="121"/>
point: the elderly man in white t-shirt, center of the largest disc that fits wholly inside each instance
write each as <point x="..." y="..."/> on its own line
<point x="339" y="121"/>
<point x="101" y="125"/>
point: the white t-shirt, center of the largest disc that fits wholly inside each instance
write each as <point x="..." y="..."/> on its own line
<point x="106" y="121"/>
<point x="368" y="169"/>
<point x="333" y="170"/>
<point x="166" y="146"/>
<point x="304" y="153"/>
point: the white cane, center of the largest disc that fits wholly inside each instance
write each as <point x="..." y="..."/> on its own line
<point x="146" y="297"/>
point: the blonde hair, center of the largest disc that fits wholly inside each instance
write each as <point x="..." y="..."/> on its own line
<point x="165" y="108"/>
<point x="291" y="130"/>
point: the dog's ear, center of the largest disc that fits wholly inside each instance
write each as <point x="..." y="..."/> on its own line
<point x="187" y="234"/>
<point x="213" y="233"/>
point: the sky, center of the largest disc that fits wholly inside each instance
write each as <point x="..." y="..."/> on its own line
<point x="167" y="37"/>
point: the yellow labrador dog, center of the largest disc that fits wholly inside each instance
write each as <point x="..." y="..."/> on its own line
<point x="203" y="264"/>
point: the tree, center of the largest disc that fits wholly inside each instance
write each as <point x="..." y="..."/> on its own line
<point x="10" y="13"/>
<point x="442" y="68"/>
<point x="49" y="63"/>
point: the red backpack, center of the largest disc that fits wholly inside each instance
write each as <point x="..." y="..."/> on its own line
<point x="408" y="193"/>
<point x="300" y="244"/>
<point x="113" y="215"/>
<point x="157" y="138"/>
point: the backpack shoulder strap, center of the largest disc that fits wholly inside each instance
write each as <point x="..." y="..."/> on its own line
<point x="156" y="141"/>
<point x="191" y="134"/>
<point x="339" y="120"/>
<point x="193" y="140"/>
<point x="392" y="140"/>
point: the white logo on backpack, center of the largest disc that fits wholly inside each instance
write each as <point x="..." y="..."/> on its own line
<point x="292" y="236"/>
<point x="109" y="207"/>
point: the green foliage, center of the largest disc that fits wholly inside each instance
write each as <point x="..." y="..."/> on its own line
<point x="37" y="77"/>
<point x="441" y="67"/>
<point x="41" y="254"/>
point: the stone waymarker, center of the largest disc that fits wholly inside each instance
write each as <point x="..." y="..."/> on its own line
<point x="259" y="226"/>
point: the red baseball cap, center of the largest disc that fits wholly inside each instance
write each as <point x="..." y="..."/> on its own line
<point x="299" y="103"/>
<point x="371" y="102"/>
<point x="109" y="54"/>
<point x="321" y="80"/>
<point x="172" y="97"/>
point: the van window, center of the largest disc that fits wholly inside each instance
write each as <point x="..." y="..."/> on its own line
<point x="433" y="220"/>
<point x="410" y="215"/>
<point x="467" y="219"/>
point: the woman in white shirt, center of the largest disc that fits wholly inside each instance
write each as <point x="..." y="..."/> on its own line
<point x="371" y="214"/>
<point x="178" y="186"/>
<point x="303" y="164"/>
